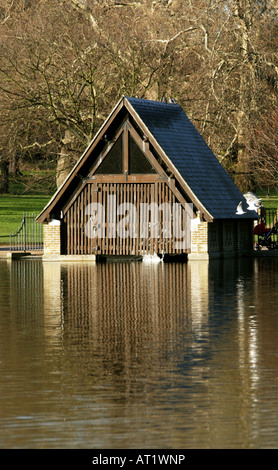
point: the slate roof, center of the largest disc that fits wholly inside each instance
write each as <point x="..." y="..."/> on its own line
<point x="193" y="159"/>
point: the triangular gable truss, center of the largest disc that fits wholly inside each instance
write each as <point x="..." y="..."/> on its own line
<point x="123" y="121"/>
<point x="124" y="139"/>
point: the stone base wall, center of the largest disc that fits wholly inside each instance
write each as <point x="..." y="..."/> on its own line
<point x="221" y="238"/>
<point x="199" y="238"/>
<point x="52" y="238"/>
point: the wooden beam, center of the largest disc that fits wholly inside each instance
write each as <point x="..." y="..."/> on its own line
<point x="168" y="162"/>
<point x="100" y="134"/>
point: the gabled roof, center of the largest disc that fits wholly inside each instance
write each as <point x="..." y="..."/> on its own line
<point x="181" y="147"/>
<point x="193" y="159"/>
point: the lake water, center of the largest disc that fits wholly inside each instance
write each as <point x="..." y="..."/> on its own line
<point x="137" y="355"/>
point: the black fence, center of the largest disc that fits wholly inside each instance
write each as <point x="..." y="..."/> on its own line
<point x="266" y="230"/>
<point x="29" y="236"/>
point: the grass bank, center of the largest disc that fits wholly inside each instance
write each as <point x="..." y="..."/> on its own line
<point x="270" y="201"/>
<point x="28" y="192"/>
<point x="12" y="208"/>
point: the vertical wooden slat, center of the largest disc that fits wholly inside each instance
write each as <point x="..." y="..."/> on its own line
<point x="81" y="223"/>
<point x="114" y="251"/>
<point x="153" y="228"/>
<point x="137" y="205"/>
<point x="89" y="199"/>
<point x="127" y="240"/>
<point x="160" y="233"/>
<point x="118" y="251"/>
<point x="125" y="206"/>
<point x="86" y="240"/>
<point x="66" y="220"/>
<point x="134" y="219"/>
<point x="146" y="187"/>
<point x="126" y="193"/>
<point x="66" y="232"/>
<point x="170" y="221"/>
<point x="106" y="212"/>
<point x="111" y="219"/>
<point x="155" y="190"/>
<point x="147" y="199"/>
<point x="85" y="220"/>
<point x="77" y="227"/>
<point x="74" y="227"/>
<point x="107" y="190"/>
<point x="123" y="202"/>
<point x="72" y="230"/>
<point x="100" y="200"/>
<point x="93" y="200"/>
<point x="69" y="232"/>
<point x="163" y="222"/>
<point x="142" y="218"/>
<point x="102" y="196"/>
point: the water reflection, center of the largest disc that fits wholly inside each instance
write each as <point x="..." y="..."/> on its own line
<point x="129" y="355"/>
<point x="130" y="312"/>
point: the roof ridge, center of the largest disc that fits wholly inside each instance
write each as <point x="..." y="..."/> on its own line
<point x="171" y="101"/>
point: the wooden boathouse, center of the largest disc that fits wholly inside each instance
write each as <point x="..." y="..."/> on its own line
<point x="147" y="154"/>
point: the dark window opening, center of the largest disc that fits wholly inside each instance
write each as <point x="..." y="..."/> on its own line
<point x="113" y="161"/>
<point x="138" y="163"/>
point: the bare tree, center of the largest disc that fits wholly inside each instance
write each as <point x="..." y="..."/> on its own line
<point x="263" y="150"/>
<point x="67" y="68"/>
<point x="243" y="78"/>
<point x="65" y="63"/>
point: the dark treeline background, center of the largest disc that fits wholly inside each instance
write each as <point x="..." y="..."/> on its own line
<point x="64" y="64"/>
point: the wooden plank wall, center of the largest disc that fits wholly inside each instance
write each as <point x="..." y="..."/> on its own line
<point x="76" y="220"/>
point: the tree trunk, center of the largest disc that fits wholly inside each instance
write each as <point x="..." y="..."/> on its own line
<point x="64" y="160"/>
<point x="242" y="178"/>
<point x="4" y="179"/>
<point x="14" y="164"/>
<point x="242" y="169"/>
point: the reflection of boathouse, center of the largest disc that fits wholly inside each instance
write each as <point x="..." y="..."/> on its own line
<point x="157" y="186"/>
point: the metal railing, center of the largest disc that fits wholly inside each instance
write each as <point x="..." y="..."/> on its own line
<point x="266" y="229"/>
<point x="29" y="236"/>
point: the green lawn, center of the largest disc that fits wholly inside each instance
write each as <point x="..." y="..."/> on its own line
<point x="29" y="192"/>
<point x="11" y="211"/>
<point x="271" y="201"/>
